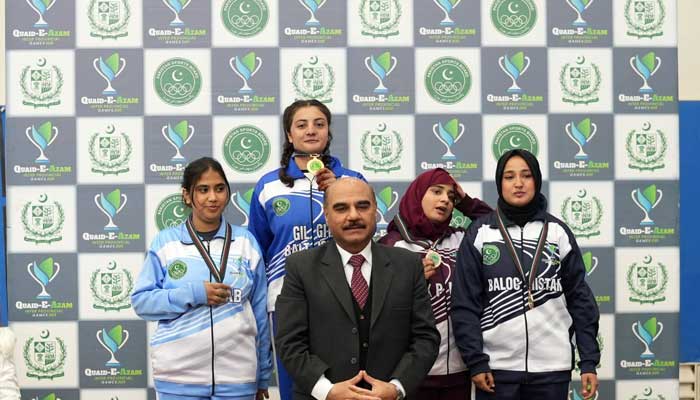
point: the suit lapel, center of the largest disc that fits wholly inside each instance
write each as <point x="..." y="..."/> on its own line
<point x="381" y="280"/>
<point x="333" y="273"/>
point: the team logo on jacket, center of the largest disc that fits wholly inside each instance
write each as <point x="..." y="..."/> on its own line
<point x="583" y="213"/>
<point x="42" y="220"/>
<point x="646" y="148"/>
<point x="109" y="18"/>
<point x="111" y="287"/>
<point x="580" y="81"/>
<point x="490" y="254"/>
<point x="645" y="18"/>
<point x="647" y="281"/>
<point x="45" y="357"/>
<point x="110" y="152"/>
<point x="177" y="269"/>
<point x="280" y="206"/>
<point x="380" y="18"/>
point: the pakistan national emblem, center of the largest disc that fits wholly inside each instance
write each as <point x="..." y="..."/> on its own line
<point x="647" y="394"/>
<point x="380" y="18"/>
<point x="109" y="19"/>
<point x="580" y="81"/>
<point x="381" y="149"/>
<point x="647" y="281"/>
<point x="111" y="287"/>
<point x="245" y="18"/>
<point x="314" y="80"/>
<point x="45" y="357"/>
<point x="646" y="148"/>
<point x="583" y="213"/>
<point x="513" y="18"/>
<point x="42" y="220"/>
<point x="645" y="18"/>
<point x="514" y="136"/>
<point x="41" y="84"/>
<point x="110" y="152"/>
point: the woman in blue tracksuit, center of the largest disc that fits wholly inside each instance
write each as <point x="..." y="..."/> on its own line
<point x="204" y="282"/>
<point x="286" y="210"/>
<point x="520" y="278"/>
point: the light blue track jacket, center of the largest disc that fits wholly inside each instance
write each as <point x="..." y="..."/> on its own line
<point x="201" y="350"/>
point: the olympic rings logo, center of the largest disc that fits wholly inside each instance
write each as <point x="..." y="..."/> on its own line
<point x="246" y="156"/>
<point x="177" y="89"/>
<point x="245" y="21"/>
<point x="448" y="88"/>
<point x="513" y="21"/>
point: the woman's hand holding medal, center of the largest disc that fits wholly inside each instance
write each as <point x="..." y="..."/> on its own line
<point x="217" y="293"/>
<point x="324" y="178"/>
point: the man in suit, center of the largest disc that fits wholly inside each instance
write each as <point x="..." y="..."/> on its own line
<point x="354" y="317"/>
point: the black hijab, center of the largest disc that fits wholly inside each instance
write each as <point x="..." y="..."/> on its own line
<point x="521" y="215"/>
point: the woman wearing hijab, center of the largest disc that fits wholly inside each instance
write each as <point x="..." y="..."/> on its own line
<point x="423" y="226"/>
<point x="520" y="278"/>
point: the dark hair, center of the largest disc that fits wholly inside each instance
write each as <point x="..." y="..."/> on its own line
<point x="288" y="148"/>
<point x="195" y="170"/>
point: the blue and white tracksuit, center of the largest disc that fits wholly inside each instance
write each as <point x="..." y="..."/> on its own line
<point x="200" y="350"/>
<point x="286" y="219"/>
<point x="516" y="343"/>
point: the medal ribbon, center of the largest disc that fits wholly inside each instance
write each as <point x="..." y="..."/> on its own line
<point x="535" y="258"/>
<point x="219" y="273"/>
<point x="406" y="235"/>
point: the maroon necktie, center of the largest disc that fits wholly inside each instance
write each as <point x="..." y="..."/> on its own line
<point x="358" y="284"/>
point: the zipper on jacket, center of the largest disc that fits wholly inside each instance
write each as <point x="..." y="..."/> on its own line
<point x="211" y="330"/>
<point x="525" y="282"/>
<point x="311" y="211"/>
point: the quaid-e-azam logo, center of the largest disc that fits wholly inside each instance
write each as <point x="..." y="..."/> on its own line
<point x="177" y="136"/>
<point x="513" y="18"/>
<point x="44" y="273"/>
<point x="41" y="84"/>
<point x="581" y="133"/>
<point x="42" y="220"/>
<point x="110" y="152"/>
<point x="109" y="19"/>
<point x="245" y="18"/>
<point x="580" y="81"/>
<point x="45" y="356"/>
<point x="386" y="200"/>
<point x="645" y="18"/>
<point x="177" y="81"/>
<point x="314" y="80"/>
<point x="111" y="287"/>
<point x="112" y="340"/>
<point x="241" y="201"/>
<point x="245" y="67"/>
<point x="448" y="134"/>
<point x="380" y="18"/>
<point x="647" y="281"/>
<point x="647" y="199"/>
<point x="110" y="205"/>
<point x="381" y="149"/>
<point x="177" y="6"/>
<point x="42" y="137"/>
<point x="109" y="69"/>
<point x="646" y="148"/>
<point x="41" y="7"/>
<point x="583" y="213"/>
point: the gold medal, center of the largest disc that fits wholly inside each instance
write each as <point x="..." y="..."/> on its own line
<point x="314" y="164"/>
<point x="434" y="257"/>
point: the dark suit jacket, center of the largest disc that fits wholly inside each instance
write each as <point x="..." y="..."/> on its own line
<point x="317" y="331"/>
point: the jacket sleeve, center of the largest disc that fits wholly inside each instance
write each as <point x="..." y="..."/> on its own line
<point x="582" y="307"/>
<point x="467" y="305"/>
<point x="259" y="304"/>
<point x="152" y="302"/>
<point x="258" y="224"/>
<point x="425" y="338"/>
<point x="473" y="207"/>
<point x="292" y="336"/>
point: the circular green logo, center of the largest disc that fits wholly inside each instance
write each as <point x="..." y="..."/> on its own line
<point x="245" y="18"/>
<point x="246" y="148"/>
<point x="281" y="206"/>
<point x="171" y="212"/>
<point x="514" y="136"/>
<point x="177" y="270"/>
<point x="513" y="18"/>
<point x="177" y="81"/>
<point x="490" y="254"/>
<point x="448" y="80"/>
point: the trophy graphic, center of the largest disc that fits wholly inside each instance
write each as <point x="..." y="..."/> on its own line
<point x="590" y="262"/>
<point x="447" y="6"/>
<point x="448" y="135"/>
<point x="581" y="134"/>
<point x="178" y="136"/>
<point x="514" y="67"/>
<point x="109" y="70"/>
<point x="42" y="138"/>
<point x="647" y="333"/>
<point x="43" y="273"/>
<point x="242" y="203"/>
<point x="112" y="341"/>
<point x="176" y="6"/>
<point x="579" y="6"/>
<point x="381" y="67"/>
<point x="41" y="7"/>
<point x="312" y="6"/>
<point x="111" y="205"/>
<point x="647" y="200"/>
<point x="386" y="200"/>
<point x="245" y="68"/>
<point x="645" y="67"/>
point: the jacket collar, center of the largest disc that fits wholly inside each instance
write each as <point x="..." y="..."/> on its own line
<point x="186" y="239"/>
